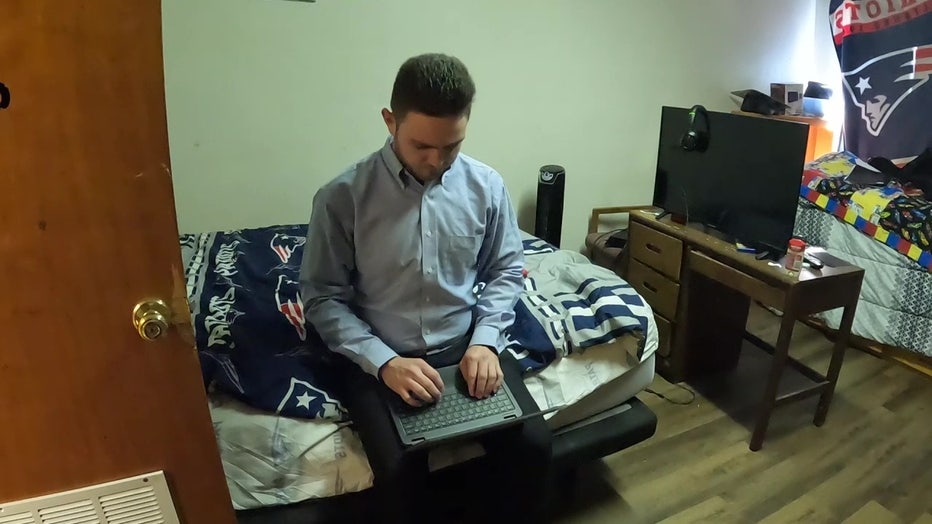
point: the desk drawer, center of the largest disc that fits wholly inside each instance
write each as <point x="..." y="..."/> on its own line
<point x="664" y="334"/>
<point x="660" y="292"/>
<point x="735" y="279"/>
<point x="659" y="251"/>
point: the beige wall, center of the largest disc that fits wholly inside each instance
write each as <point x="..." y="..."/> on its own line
<point x="269" y="99"/>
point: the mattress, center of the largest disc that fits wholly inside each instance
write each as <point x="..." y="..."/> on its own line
<point x="894" y="306"/>
<point x="284" y="437"/>
<point x="272" y="460"/>
<point x="884" y="228"/>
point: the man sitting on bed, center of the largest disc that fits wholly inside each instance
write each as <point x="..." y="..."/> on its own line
<point x="395" y="247"/>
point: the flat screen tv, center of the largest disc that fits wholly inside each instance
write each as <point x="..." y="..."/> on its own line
<point x="744" y="184"/>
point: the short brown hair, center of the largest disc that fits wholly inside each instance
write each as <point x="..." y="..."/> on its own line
<point x="434" y="84"/>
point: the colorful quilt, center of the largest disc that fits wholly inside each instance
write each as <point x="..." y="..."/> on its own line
<point x="886" y="213"/>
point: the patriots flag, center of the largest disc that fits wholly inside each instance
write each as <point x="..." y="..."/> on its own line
<point x="884" y="48"/>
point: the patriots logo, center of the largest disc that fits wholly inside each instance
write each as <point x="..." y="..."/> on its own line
<point x="285" y="245"/>
<point x="881" y="84"/>
<point x="301" y="397"/>
<point x="289" y="304"/>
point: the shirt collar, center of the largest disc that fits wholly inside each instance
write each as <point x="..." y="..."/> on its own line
<point x="394" y="165"/>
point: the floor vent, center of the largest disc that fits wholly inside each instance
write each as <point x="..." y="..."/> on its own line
<point x="138" y="500"/>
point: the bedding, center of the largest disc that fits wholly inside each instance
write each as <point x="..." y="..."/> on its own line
<point x="272" y="460"/>
<point x="888" y="214"/>
<point x="284" y="438"/>
<point x="255" y="346"/>
<point x="884" y="229"/>
<point x="894" y="306"/>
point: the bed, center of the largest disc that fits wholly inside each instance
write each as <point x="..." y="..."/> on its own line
<point x="887" y="232"/>
<point x="584" y="338"/>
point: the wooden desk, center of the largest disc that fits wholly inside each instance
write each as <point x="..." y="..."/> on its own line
<point x="700" y="288"/>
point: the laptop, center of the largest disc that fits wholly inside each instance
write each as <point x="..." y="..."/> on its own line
<point x="456" y="414"/>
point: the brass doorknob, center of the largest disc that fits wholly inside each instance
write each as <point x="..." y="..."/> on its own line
<point x="151" y="318"/>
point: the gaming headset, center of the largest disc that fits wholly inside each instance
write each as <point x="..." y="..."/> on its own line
<point x="697" y="137"/>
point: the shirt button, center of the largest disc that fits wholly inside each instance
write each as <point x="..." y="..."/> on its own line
<point x="429" y="271"/>
<point x="429" y="234"/>
<point x="426" y="299"/>
<point x="427" y="331"/>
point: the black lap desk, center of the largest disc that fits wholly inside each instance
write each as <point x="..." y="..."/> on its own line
<point x="591" y="439"/>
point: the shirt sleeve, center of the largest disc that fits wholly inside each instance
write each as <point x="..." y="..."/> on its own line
<point x="501" y="263"/>
<point x="325" y="280"/>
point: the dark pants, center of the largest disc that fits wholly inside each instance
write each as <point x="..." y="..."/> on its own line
<point x="518" y="457"/>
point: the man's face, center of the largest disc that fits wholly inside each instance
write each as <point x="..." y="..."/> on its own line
<point x="426" y="145"/>
<point x="875" y="109"/>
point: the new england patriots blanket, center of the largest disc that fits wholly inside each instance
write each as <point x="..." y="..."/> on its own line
<point x="254" y="343"/>
<point x="884" y="48"/>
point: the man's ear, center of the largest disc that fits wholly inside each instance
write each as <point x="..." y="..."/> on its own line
<point x="390" y="122"/>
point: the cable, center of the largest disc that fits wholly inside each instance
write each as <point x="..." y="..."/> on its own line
<point x="773" y="311"/>
<point x="692" y="395"/>
<point x="685" y="202"/>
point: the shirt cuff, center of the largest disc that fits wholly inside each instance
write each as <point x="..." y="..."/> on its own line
<point x="376" y="357"/>
<point x="486" y="336"/>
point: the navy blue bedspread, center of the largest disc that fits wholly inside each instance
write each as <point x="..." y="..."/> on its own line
<point x="254" y="343"/>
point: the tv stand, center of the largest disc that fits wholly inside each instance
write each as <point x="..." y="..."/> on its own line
<point x="700" y="288"/>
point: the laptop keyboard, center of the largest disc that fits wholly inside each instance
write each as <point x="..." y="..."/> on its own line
<point x="453" y="408"/>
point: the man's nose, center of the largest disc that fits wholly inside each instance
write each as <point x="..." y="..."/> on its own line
<point x="435" y="159"/>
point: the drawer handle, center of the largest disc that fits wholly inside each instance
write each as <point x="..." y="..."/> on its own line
<point x="649" y="287"/>
<point x="653" y="248"/>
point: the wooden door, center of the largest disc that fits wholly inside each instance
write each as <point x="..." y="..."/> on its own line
<point x="87" y="230"/>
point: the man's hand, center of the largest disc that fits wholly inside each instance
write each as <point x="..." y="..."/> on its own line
<point x="482" y="371"/>
<point x="413" y="379"/>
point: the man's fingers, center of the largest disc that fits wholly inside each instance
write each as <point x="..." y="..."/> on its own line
<point x="434" y="376"/>
<point x="428" y="386"/>
<point x="482" y="380"/>
<point x="495" y="378"/>
<point x="501" y="377"/>
<point x="419" y="393"/>
<point x="409" y="400"/>
<point x="470" y="375"/>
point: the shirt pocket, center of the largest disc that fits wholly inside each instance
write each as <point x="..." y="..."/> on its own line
<point x="459" y="256"/>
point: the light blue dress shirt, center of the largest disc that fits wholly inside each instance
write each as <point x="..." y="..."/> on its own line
<point x="390" y="265"/>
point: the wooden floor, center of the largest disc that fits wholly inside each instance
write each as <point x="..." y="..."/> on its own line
<point x="870" y="463"/>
